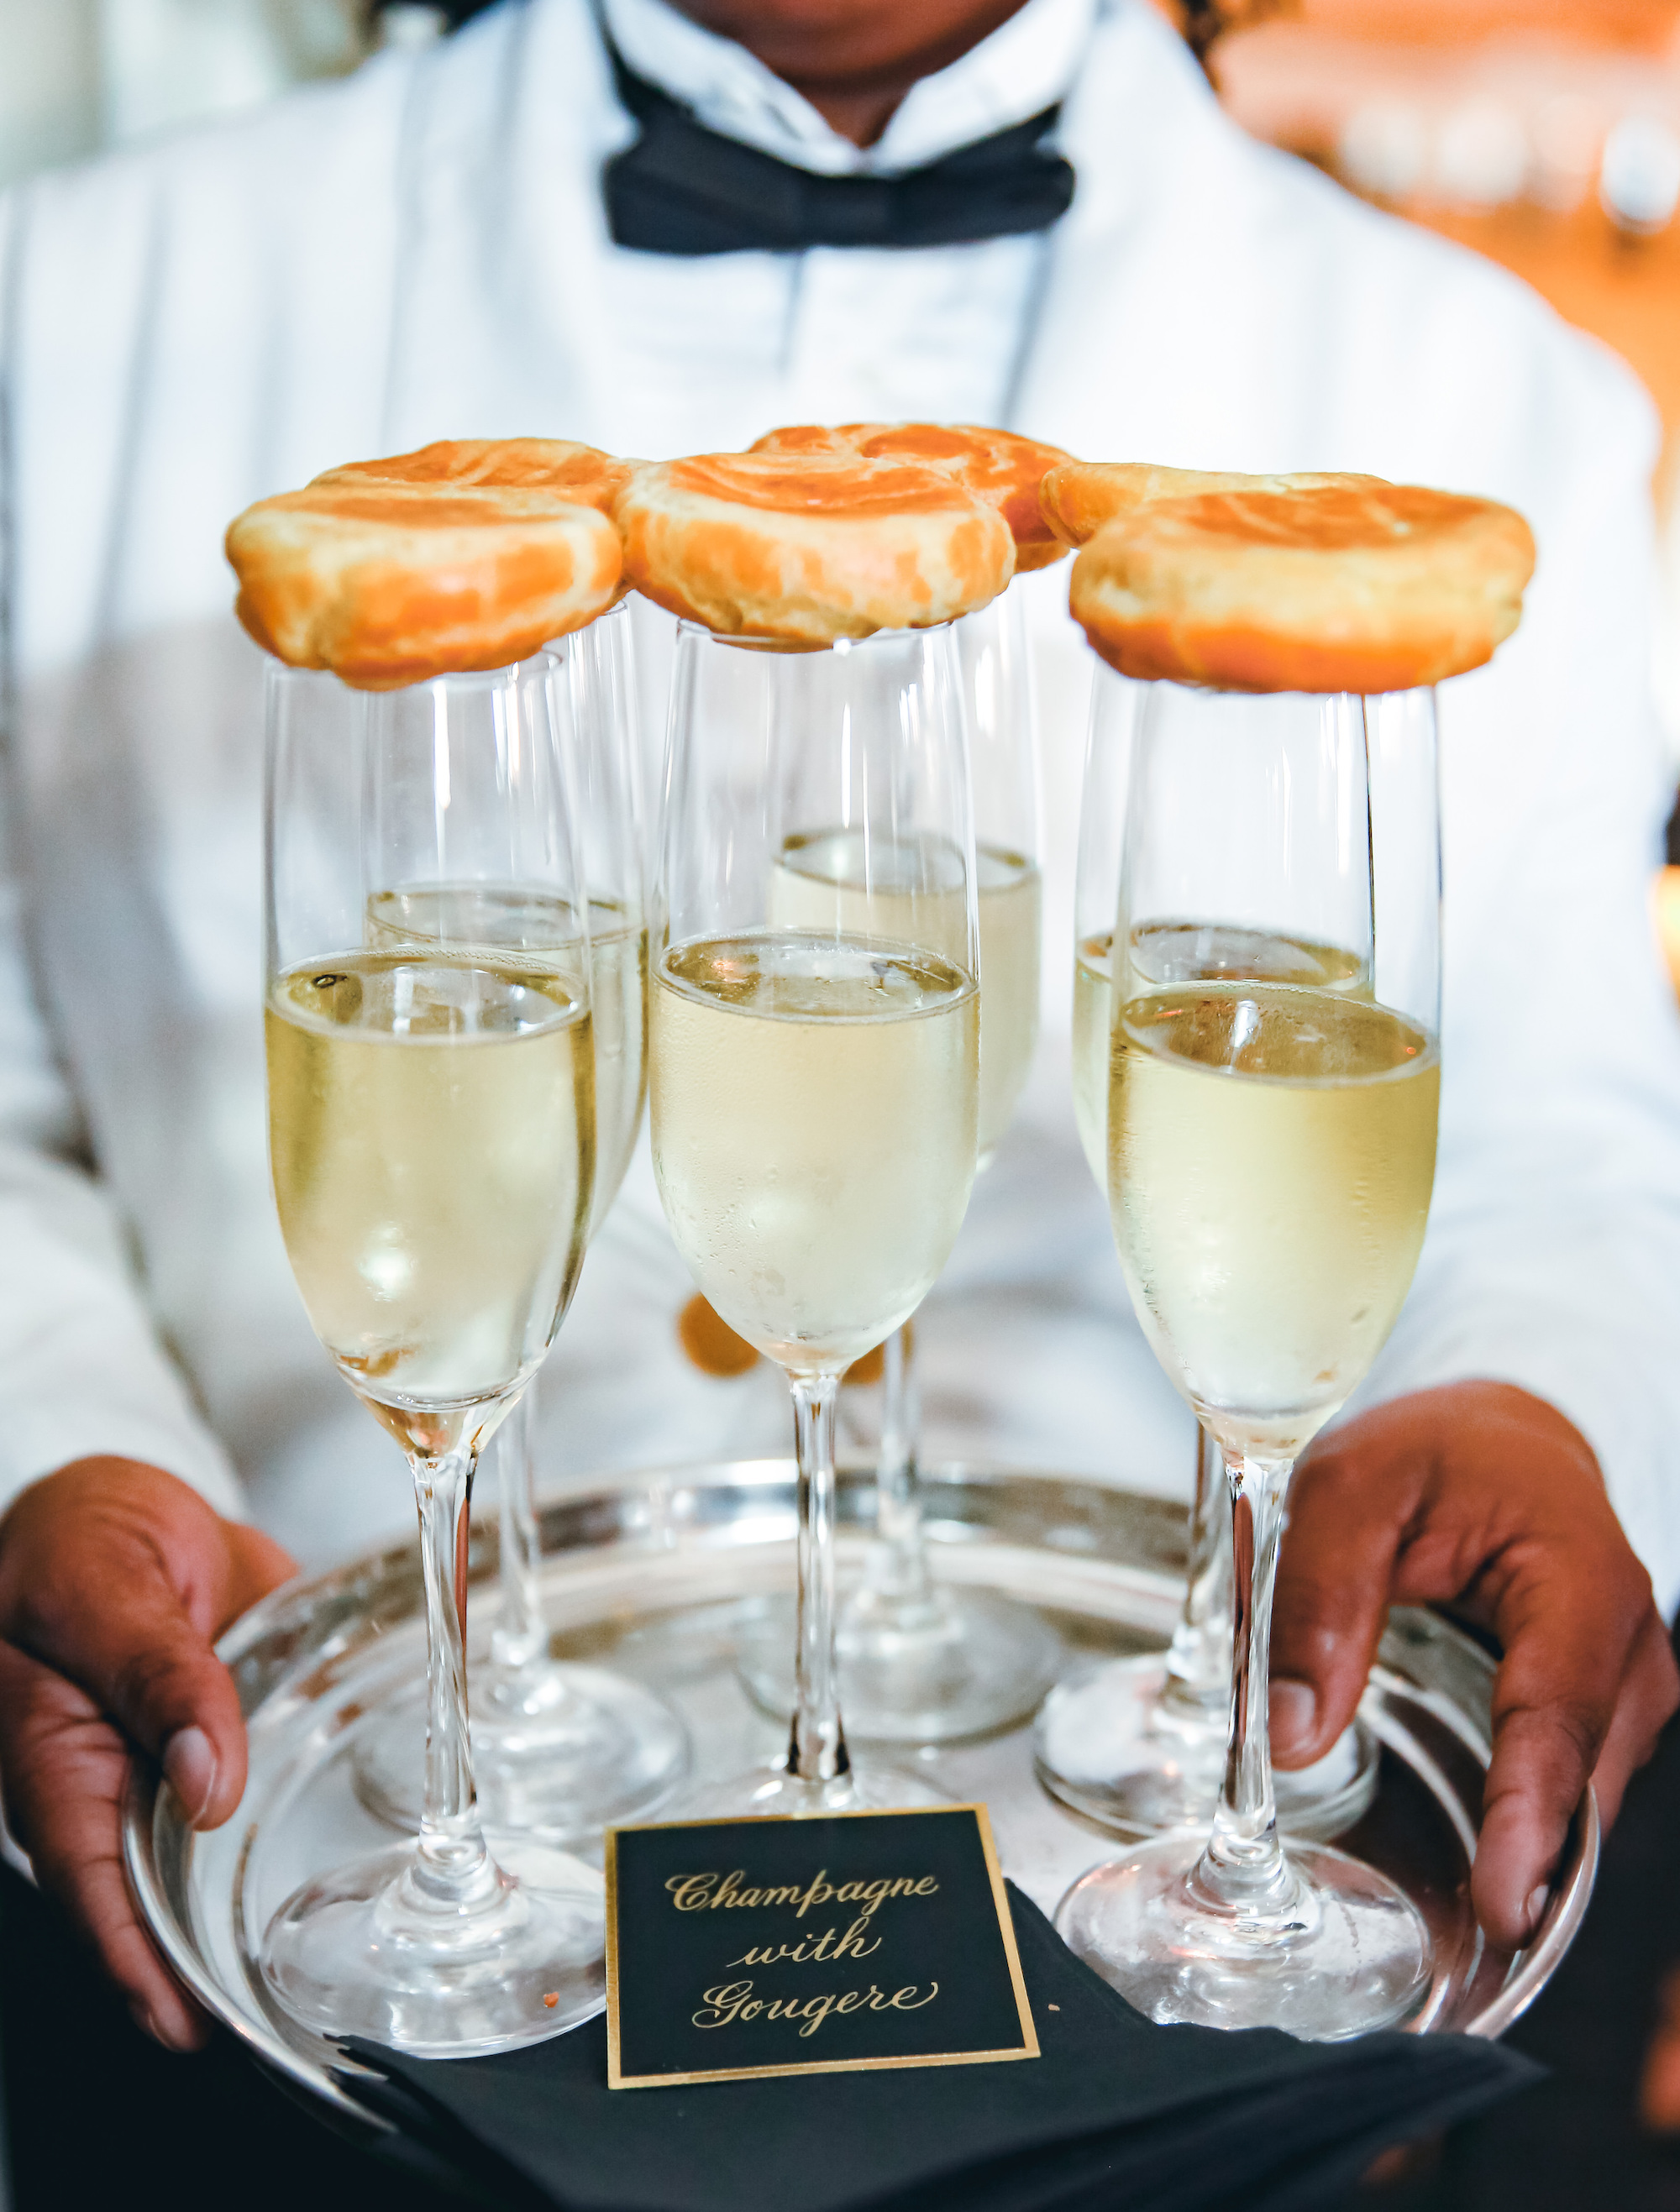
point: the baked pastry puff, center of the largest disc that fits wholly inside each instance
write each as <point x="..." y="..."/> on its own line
<point x="388" y="582"/>
<point x="582" y="473"/>
<point x="1004" y="468"/>
<point x="1288" y="583"/>
<point x="802" y="548"/>
<point x="1078" y="498"/>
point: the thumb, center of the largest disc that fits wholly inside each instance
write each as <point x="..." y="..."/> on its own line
<point x="147" y="1664"/>
<point x="1346" y="1526"/>
<point x="256" y="1565"/>
<point x="122" y="1598"/>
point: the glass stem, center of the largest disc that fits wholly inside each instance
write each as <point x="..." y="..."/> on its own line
<point x="817" y="1744"/>
<point x="1244" y="1869"/>
<point x="521" y="1634"/>
<point x="1197" y="1676"/>
<point x="899" y="1562"/>
<point x="452" y="1863"/>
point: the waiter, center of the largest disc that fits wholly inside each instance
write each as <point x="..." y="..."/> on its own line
<point x="663" y="233"/>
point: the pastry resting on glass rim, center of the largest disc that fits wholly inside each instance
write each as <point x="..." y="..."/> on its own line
<point x="803" y="548"/>
<point x="388" y="582"/>
<point x="581" y="473"/>
<point x="1288" y="583"/>
<point x="1077" y="498"/>
<point x="1004" y="468"/>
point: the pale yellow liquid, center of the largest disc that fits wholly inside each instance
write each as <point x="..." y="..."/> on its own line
<point x="1271" y="1152"/>
<point x="820" y="883"/>
<point x="1183" y="952"/>
<point x="814" y="1108"/>
<point x="1091" y="1017"/>
<point x="508" y="918"/>
<point x="431" y="1134"/>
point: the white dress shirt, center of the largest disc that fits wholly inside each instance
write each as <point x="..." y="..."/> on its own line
<point x="834" y="335"/>
<point x="421" y="252"/>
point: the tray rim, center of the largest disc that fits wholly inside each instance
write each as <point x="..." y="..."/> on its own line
<point x="302" y="2075"/>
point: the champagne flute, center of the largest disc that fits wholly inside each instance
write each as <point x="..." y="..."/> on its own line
<point x="1271" y="1143"/>
<point x="920" y="1662"/>
<point x="560" y="1750"/>
<point x="431" y="1122"/>
<point x="815" y="1057"/>
<point x="1138" y="1744"/>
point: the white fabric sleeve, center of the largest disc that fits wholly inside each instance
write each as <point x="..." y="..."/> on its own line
<point x="81" y="1370"/>
<point x="1553" y="1255"/>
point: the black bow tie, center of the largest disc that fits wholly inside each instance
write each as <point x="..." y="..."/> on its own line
<point x="683" y="189"/>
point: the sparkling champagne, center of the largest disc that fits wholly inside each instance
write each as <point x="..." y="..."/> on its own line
<point x="909" y="891"/>
<point x="1184" y="952"/>
<point x="1093" y="1013"/>
<point x="513" y="918"/>
<point x="1271" y="1152"/>
<point x="814" y="1107"/>
<point x="431" y="1132"/>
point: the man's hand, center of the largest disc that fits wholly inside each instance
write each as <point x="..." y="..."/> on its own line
<point x="1484" y="1498"/>
<point x="114" y="1577"/>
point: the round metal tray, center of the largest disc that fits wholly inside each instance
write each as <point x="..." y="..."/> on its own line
<point x="654" y="1575"/>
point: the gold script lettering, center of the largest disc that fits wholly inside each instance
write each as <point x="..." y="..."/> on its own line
<point x="851" y="1944"/>
<point x="731" y="2001"/>
<point x="712" y="1892"/>
<point x="688" y="1890"/>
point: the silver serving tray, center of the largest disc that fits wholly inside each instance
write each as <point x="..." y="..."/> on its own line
<point x="653" y="1574"/>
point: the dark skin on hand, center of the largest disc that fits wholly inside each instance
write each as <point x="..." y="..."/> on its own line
<point x="115" y="1578"/>
<point x="1478" y="1496"/>
<point x="1482" y="1498"/>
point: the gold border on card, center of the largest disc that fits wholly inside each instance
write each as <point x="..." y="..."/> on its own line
<point x="1027" y="2048"/>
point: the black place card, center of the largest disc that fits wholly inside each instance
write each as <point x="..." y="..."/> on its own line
<point x="743" y="1948"/>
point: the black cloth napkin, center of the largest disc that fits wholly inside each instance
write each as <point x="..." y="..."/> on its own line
<point x="1117" y="2115"/>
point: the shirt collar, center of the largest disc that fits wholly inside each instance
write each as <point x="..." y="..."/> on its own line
<point x="1026" y="65"/>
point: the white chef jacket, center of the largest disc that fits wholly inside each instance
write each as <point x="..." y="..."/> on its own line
<point x="421" y="252"/>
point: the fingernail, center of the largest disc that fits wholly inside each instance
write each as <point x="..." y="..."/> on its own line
<point x="1535" y="1905"/>
<point x="189" y="1761"/>
<point x="1294" y="1708"/>
<point x="149" y="2023"/>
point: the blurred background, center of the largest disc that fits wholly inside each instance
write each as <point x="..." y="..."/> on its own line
<point x="1545" y="133"/>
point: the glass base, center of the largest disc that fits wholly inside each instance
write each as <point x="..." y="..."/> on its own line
<point x="1349" y="1952"/>
<point x="1107" y="1748"/>
<point x="932" y="1668"/>
<point x="772" y="1793"/>
<point x="559" y="1751"/>
<point x="365" y="1950"/>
